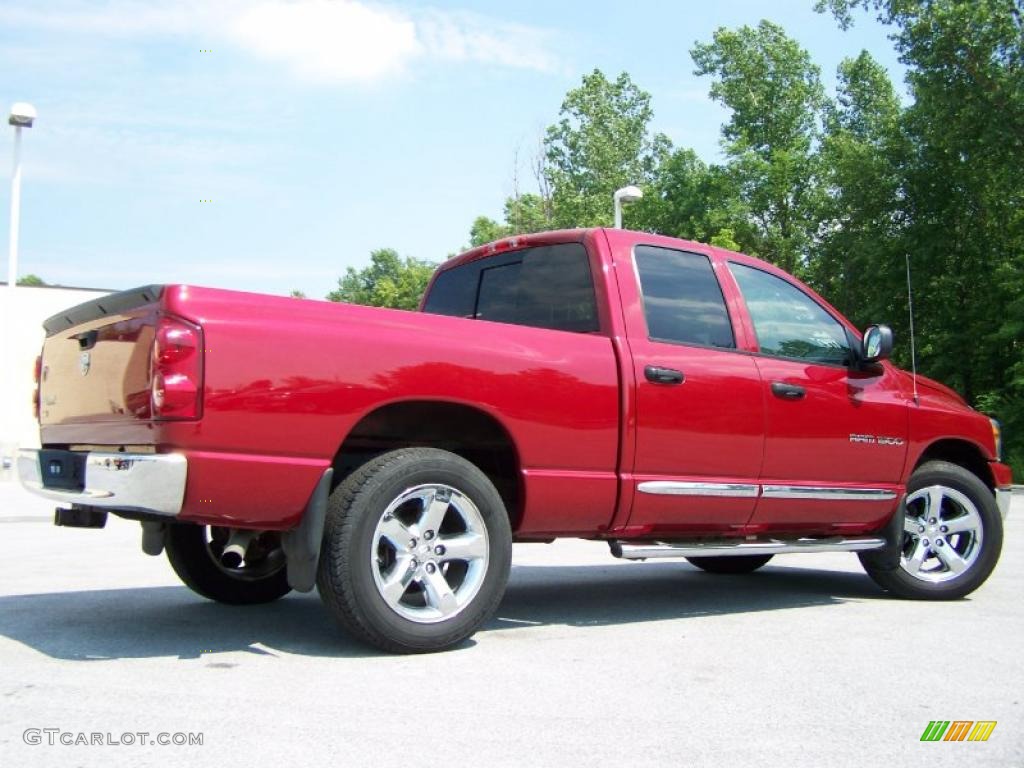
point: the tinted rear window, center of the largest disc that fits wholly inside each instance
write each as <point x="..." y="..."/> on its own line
<point x="545" y="287"/>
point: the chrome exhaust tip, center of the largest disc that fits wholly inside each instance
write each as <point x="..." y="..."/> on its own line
<point x="233" y="554"/>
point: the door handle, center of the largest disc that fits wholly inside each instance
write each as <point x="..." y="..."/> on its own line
<point x="788" y="391"/>
<point x="659" y="375"/>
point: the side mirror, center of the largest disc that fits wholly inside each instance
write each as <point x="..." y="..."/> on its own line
<point x="877" y="344"/>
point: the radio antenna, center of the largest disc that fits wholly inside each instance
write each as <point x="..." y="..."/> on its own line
<point x="913" y="349"/>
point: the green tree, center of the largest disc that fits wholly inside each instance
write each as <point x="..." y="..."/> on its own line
<point x="601" y="142"/>
<point x="523" y="214"/>
<point x="858" y="262"/>
<point x="389" y="281"/>
<point x="297" y="294"/>
<point x="487" y="230"/>
<point x="689" y="199"/>
<point x="31" y="280"/>
<point x="774" y="93"/>
<point x="963" y="191"/>
<point x="528" y="213"/>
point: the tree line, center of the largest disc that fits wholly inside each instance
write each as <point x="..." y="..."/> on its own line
<point x="842" y="189"/>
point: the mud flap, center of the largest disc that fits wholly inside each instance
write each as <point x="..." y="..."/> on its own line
<point x="301" y="544"/>
<point x="888" y="557"/>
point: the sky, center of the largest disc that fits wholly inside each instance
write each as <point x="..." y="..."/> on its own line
<point x="266" y="145"/>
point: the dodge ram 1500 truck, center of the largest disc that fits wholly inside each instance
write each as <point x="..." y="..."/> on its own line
<point x="671" y="398"/>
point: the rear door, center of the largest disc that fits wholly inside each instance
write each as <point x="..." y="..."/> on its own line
<point x="699" y="407"/>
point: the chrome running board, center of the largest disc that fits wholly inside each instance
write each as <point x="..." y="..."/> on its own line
<point x="722" y="548"/>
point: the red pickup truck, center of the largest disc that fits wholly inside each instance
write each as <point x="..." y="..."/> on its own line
<point x="671" y="398"/>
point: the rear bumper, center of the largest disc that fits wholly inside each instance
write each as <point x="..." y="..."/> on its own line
<point x="1003" y="497"/>
<point x="153" y="483"/>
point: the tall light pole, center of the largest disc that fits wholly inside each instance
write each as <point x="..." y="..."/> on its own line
<point x="625" y="195"/>
<point x="22" y="116"/>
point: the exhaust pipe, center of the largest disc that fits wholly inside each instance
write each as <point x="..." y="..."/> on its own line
<point x="237" y="546"/>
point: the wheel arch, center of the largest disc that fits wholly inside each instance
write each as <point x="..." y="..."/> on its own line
<point x="961" y="452"/>
<point x="466" y="430"/>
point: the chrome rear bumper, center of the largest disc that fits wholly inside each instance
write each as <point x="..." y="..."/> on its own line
<point x="153" y="483"/>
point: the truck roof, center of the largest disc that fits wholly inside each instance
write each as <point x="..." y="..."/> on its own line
<point x="629" y="237"/>
<point x="580" y="235"/>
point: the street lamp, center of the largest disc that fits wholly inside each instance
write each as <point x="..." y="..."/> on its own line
<point x="625" y="195"/>
<point x="22" y="116"/>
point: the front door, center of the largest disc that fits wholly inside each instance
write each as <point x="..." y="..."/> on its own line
<point x="835" y="438"/>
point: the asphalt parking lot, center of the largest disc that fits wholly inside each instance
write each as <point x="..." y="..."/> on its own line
<point x="590" y="661"/>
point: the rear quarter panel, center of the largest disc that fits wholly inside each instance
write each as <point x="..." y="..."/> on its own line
<point x="286" y="380"/>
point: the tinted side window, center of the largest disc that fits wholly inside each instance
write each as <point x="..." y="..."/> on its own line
<point x="544" y="287"/>
<point x="788" y="322"/>
<point x="682" y="299"/>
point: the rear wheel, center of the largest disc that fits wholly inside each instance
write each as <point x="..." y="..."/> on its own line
<point x="952" y="535"/>
<point x="194" y="552"/>
<point x="416" y="551"/>
<point x="730" y="564"/>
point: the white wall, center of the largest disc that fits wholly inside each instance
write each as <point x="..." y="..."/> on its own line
<point x="21" y="339"/>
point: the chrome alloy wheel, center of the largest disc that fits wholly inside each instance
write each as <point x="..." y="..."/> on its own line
<point x="942" y="534"/>
<point x="429" y="553"/>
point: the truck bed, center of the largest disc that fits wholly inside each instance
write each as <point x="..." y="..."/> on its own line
<point x="298" y="375"/>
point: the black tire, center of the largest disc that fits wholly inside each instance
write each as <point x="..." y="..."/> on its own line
<point x="982" y="557"/>
<point x="191" y="554"/>
<point x="354" y="551"/>
<point x="730" y="564"/>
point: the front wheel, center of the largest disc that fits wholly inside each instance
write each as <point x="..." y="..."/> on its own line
<point x="416" y="551"/>
<point x="952" y="536"/>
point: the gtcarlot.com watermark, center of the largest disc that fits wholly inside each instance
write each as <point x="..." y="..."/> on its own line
<point x="58" y="736"/>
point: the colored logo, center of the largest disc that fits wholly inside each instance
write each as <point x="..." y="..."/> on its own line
<point x="958" y="730"/>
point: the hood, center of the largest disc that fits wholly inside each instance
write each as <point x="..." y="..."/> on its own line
<point x="936" y="388"/>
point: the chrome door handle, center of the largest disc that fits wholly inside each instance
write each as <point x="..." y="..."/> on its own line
<point x="658" y="375"/>
<point x="788" y="391"/>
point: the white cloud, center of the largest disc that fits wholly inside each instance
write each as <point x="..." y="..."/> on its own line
<point x="321" y="40"/>
<point x="460" y="36"/>
<point x="327" y="39"/>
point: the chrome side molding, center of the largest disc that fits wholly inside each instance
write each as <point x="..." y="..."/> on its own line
<point x="671" y="488"/>
<point x="825" y="493"/>
<point x="720" y="548"/>
<point x="752" y="490"/>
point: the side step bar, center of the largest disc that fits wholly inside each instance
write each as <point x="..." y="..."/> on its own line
<point x="719" y="548"/>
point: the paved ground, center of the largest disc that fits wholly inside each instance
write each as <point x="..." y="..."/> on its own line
<point x="590" y="661"/>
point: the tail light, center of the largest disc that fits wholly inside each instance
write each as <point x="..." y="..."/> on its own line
<point x="37" y="375"/>
<point x="176" y="389"/>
